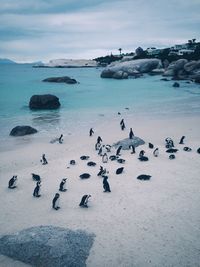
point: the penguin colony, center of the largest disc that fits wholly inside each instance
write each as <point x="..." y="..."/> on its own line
<point x="102" y="151"/>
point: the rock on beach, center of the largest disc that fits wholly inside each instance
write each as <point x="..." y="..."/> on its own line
<point x="22" y="130"/>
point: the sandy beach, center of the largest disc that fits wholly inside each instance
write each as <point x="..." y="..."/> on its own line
<point x="140" y="223"/>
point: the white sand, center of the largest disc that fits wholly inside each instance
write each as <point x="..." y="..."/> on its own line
<point x="140" y="223"/>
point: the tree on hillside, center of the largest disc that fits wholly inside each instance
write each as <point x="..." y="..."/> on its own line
<point x="120" y="51"/>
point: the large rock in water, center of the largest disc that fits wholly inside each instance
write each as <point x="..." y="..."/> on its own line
<point x="48" y="246"/>
<point x="44" y="102"/>
<point x="127" y="142"/>
<point x="127" y="68"/>
<point x="64" y="79"/>
<point x="22" y="130"/>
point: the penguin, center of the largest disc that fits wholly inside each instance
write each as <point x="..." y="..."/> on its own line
<point x="84" y="157"/>
<point x="85" y="176"/>
<point x="99" y="140"/>
<point x="60" y="140"/>
<point x="62" y="186"/>
<point x="169" y="142"/>
<point x="113" y="157"/>
<point x="44" y="160"/>
<point x="156" y="152"/>
<point x="104" y="158"/>
<point x="119" y="170"/>
<point x="84" y="201"/>
<point x="12" y="182"/>
<point x="91" y="132"/>
<point x="97" y="146"/>
<point x="198" y="150"/>
<point x="181" y="140"/>
<point x="72" y="162"/>
<point x="102" y="171"/>
<point x="106" y="185"/>
<point x="141" y="154"/>
<point x="151" y="145"/>
<point x="118" y="151"/>
<point x="100" y="151"/>
<point x="121" y="161"/>
<point x="55" y="202"/>
<point x="108" y="148"/>
<point x="122" y="124"/>
<point x="172" y="156"/>
<point x="133" y="149"/>
<point x="143" y="158"/>
<point x="188" y="149"/>
<point x="36" y="177"/>
<point x="171" y="150"/>
<point x="91" y="163"/>
<point x="131" y="134"/>
<point x="36" y="192"/>
<point x="144" y="177"/>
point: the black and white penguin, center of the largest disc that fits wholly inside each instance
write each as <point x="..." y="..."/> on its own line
<point x="171" y="150"/>
<point x="108" y="148"/>
<point x="55" y="202"/>
<point x="72" y="162"/>
<point x="91" y="163"/>
<point x="181" y="140"/>
<point x="104" y="158"/>
<point x="172" y="156"/>
<point x="91" y="132"/>
<point x="156" y="152"/>
<point x="141" y="154"/>
<point x="36" y="177"/>
<point x="84" y="201"/>
<point x="144" y="177"/>
<point x="44" y="160"/>
<point x="119" y="170"/>
<point x="36" y="192"/>
<point x="102" y="171"/>
<point x="131" y="134"/>
<point x="118" y="151"/>
<point x="85" y="176"/>
<point x="122" y="124"/>
<point x="60" y="139"/>
<point x="97" y="146"/>
<point x="198" y="150"/>
<point x="12" y="182"/>
<point x="99" y="140"/>
<point x="62" y="186"/>
<point x="106" y="185"/>
<point x="188" y="149"/>
<point x="151" y="145"/>
<point x="169" y="142"/>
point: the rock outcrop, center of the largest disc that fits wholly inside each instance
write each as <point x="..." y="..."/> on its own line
<point x="22" y="130"/>
<point x="64" y="79"/>
<point x="44" y="102"/>
<point x="127" y="142"/>
<point x="123" y="70"/>
<point x="183" y="69"/>
<point x="48" y="246"/>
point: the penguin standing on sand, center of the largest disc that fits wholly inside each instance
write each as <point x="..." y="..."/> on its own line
<point x="62" y="186"/>
<point x="106" y="185"/>
<point x="156" y="152"/>
<point x="55" y="202"/>
<point x="84" y="201"/>
<point x="60" y="140"/>
<point x="91" y="132"/>
<point x="118" y="151"/>
<point x="12" y="182"/>
<point x="131" y="134"/>
<point x="141" y="153"/>
<point x="104" y="158"/>
<point x="36" y="192"/>
<point x="181" y="140"/>
<point x="44" y="160"/>
<point x="102" y="171"/>
<point x="122" y="124"/>
<point x="99" y="140"/>
<point x="151" y="145"/>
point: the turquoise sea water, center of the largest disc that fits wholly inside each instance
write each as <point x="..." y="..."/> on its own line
<point x="85" y="103"/>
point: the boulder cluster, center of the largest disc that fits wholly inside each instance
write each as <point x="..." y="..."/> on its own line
<point x="131" y="68"/>
<point x="183" y="69"/>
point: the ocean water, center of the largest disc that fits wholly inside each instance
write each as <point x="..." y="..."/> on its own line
<point x="89" y="102"/>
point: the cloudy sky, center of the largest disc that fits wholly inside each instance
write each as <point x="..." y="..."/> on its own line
<point x="32" y="30"/>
